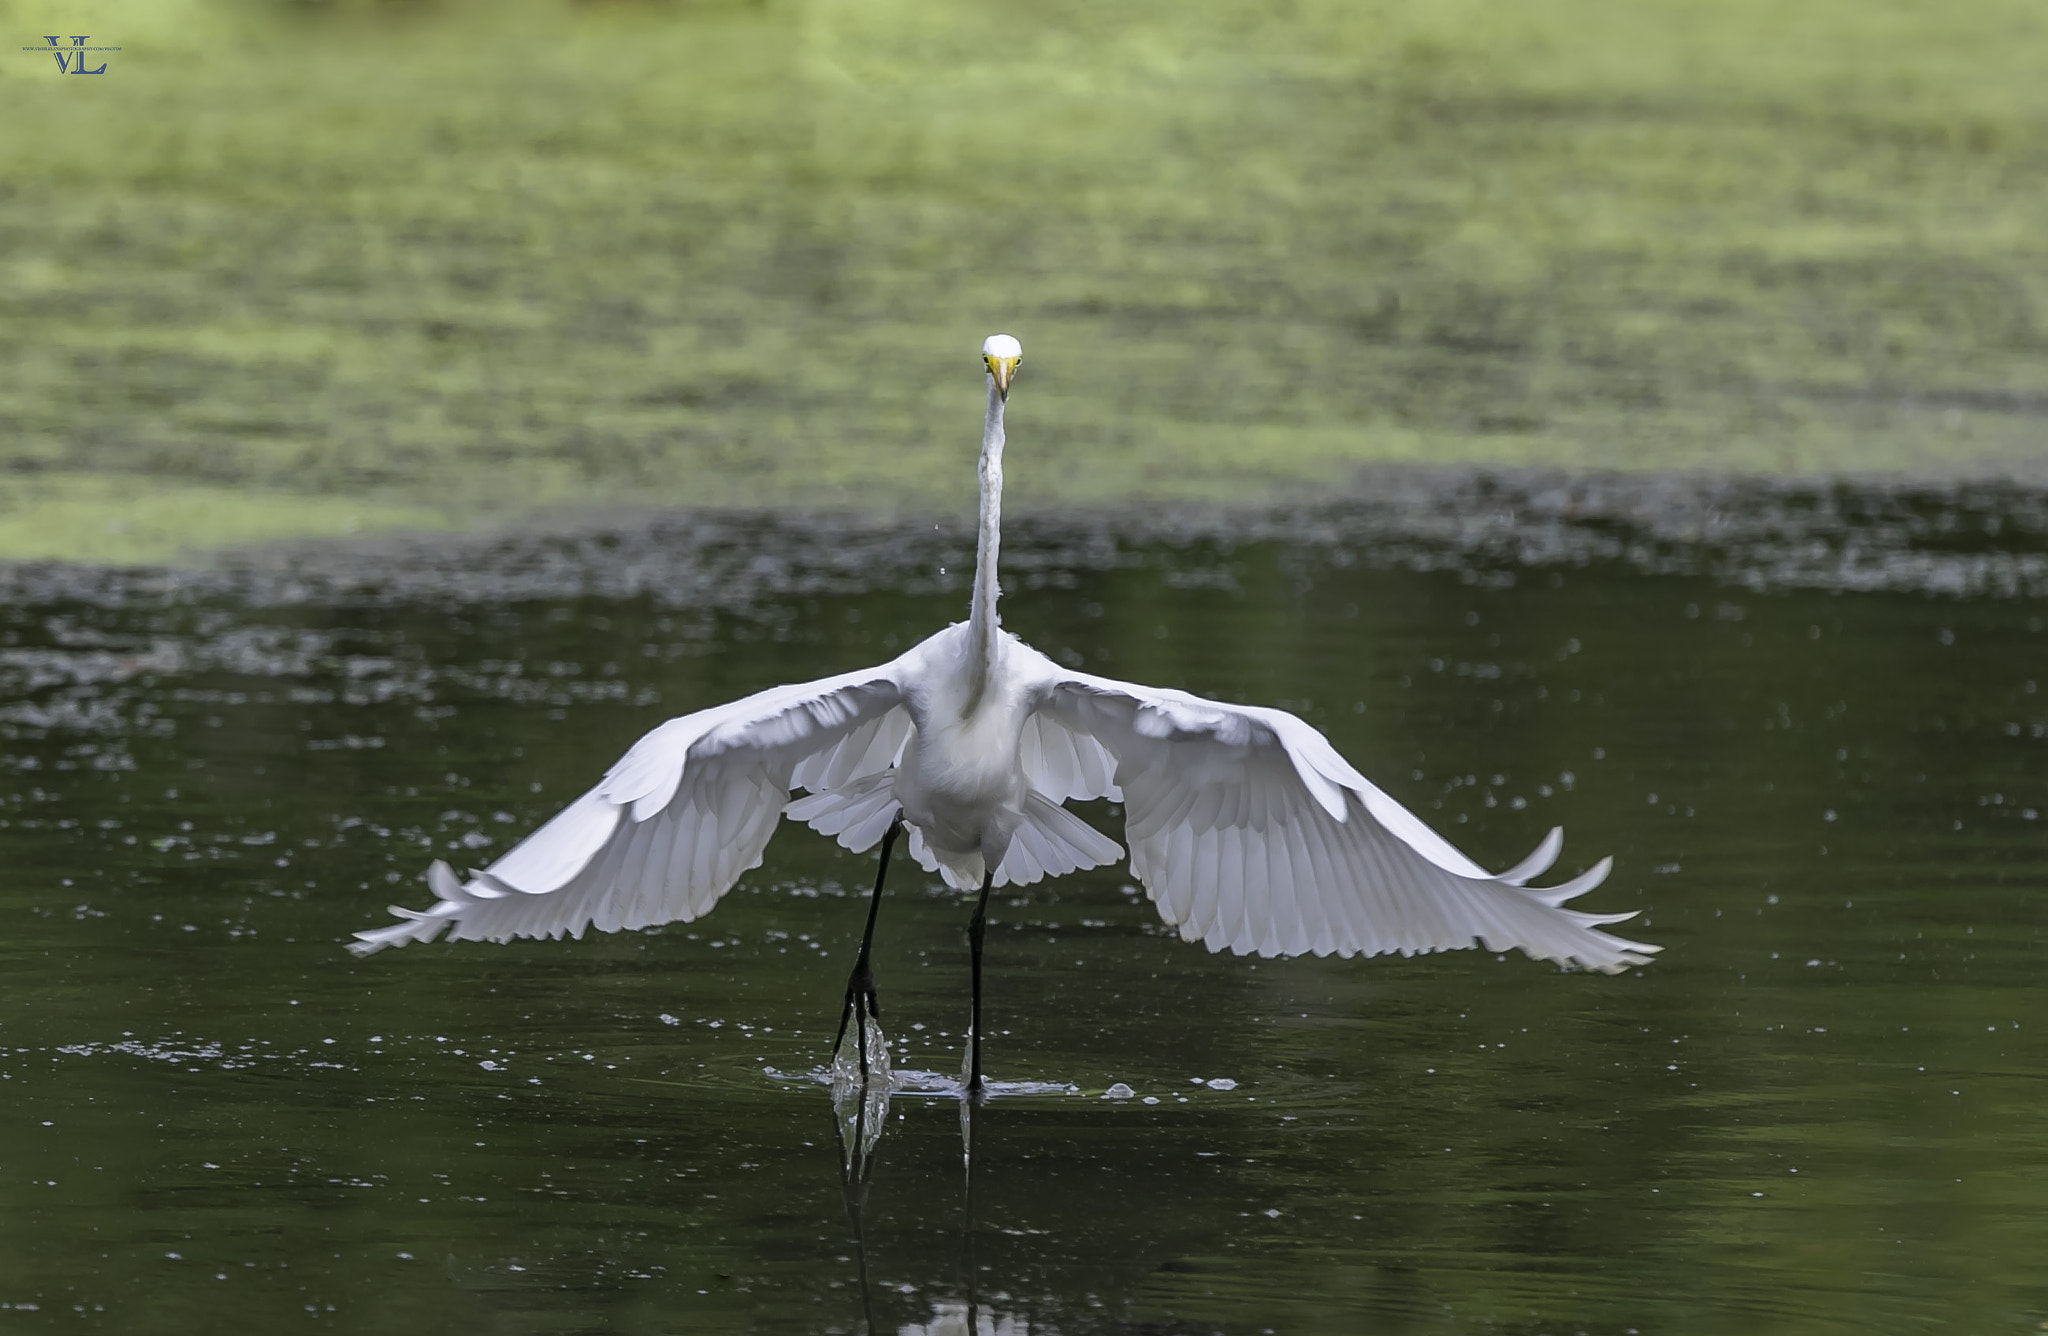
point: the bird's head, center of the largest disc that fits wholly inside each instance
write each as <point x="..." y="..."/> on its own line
<point x="1002" y="354"/>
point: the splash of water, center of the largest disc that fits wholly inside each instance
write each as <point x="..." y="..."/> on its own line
<point x="845" y="1072"/>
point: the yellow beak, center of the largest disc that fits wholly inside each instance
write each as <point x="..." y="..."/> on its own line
<point x="1004" y="369"/>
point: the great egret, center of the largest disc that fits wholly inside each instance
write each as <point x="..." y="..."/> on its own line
<point x="1246" y="828"/>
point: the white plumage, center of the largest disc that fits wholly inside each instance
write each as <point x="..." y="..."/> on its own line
<point x="1246" y="828"/>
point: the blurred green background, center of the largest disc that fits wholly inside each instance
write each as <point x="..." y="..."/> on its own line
<point x="301" y="269"/>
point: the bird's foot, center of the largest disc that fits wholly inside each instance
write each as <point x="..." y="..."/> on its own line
<point x="869" y="1060"/>
<point x="972" y="1084"/>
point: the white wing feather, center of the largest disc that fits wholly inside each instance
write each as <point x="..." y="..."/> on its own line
<point x="1063" y="764"/>
<point x="1250" y="832"/>
<point x="674" y="823"/>
<point x="1246" y="827"/>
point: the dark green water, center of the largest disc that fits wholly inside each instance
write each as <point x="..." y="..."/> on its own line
<point x="1822" y="1109"/>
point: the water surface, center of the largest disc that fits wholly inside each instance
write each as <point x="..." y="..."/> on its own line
<point x="1819" y="772"/>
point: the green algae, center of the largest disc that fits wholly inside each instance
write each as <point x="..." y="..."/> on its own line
<point x="449" y="263"/>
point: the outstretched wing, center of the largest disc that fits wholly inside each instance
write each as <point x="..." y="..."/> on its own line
<point x="671" y="826"/>
<point x="1250" y="832"/>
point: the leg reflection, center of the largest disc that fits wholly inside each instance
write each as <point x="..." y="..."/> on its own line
<point x="860" y="1111"/>
<point x="970" y="1110"/>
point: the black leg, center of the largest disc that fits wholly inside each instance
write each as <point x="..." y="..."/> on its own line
<point x="975" y="930"/>
<point x="860" y="985"/>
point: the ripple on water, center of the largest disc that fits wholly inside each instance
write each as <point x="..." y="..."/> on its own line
<point x="209" y="782"/>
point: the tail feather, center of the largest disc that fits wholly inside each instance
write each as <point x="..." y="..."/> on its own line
<point x="1051" y="842"/>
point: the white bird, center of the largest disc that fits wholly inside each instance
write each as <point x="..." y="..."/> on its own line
<point x="1246" y="828"/>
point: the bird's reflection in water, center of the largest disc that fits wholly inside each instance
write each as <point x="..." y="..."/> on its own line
<point x="860" y="1113"/>
<point x="958" y="1319"/>
<point x="860" y="1110"/>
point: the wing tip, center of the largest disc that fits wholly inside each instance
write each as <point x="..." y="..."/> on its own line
<point x="1539" y="860"/>
<point x="418" y="925"/>
<point x="417" y="928"/>
<point x="1619" y="953"/>
<point x="1554" y="896"/>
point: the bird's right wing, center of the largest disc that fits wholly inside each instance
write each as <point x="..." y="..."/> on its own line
<point x="1250" y="832"/>
<point x="673" y="824"/>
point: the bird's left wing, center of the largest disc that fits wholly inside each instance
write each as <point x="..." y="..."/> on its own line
<point x="670" y="827"/>
<point x="1250" y="832"/>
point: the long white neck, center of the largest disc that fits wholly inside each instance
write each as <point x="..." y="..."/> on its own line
<point x="982" y="621"/>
